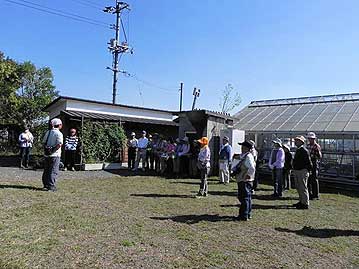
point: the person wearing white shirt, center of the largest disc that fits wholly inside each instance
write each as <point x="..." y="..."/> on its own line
<point x="204" y="165"/>
<point x="141" y="151"/>
<point x="245" y="173"/>
<point x="25" y="141"/>
<point x="131" y="151"/>
<point x="52" y="141"/>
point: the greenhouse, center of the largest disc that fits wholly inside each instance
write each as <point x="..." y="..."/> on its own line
<point x="334" y="119"/>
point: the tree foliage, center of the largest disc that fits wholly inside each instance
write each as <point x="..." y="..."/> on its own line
<point x="24" y="91"/>
<point x="230" y="99"/>
<point x="102" y="141"/>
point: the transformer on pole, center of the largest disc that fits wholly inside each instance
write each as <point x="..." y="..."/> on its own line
<point x="115" y="46"/>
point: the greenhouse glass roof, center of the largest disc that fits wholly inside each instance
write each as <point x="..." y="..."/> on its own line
<point x="330" y="113"/>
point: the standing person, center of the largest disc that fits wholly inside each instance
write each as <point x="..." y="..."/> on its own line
<point x="141" y="151"/>
<point x="245" y="172"/>
<point x="204" y="165"/>
<point x="71" y="142"/>
<point x="131" y="151"/>
<point x="156" y="150"/>
<point x="53" y="140"/>
<point x="26" y="140"/>
<point x="171" y="153"/>
<point x="276" y="163"/>
<point x="225" y="161"/>
<point x="288" y="166"/>
<point x="255" y="156"/>
<point x="315" y="153"/>
<point x="301" y="167"/>
<point x="183" y="155"/>
<point x="149" y="153"/>
<point x="176" y="160"/>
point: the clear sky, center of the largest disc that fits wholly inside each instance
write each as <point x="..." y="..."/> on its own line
<point x="267" y="49"/>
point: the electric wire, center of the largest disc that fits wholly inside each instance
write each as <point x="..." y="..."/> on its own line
<point x="88" y="4"/>
<point x="123" y="30"/>
<point x="64" y="12"/>
<point x="61" y="14"/>
<point x="152" y="85"/>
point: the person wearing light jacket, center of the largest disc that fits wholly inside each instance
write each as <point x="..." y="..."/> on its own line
<point x="25" y="141"/>
<point x="225" y="161"/>
<point x="245" y="173"/>
<point x="204" y="165"/>
<point x="276" y="164"/>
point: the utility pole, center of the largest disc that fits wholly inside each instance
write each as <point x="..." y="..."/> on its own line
<point x="181" y="96"/>
<point x="196" y="93"/>
<point x="115" y="46"/>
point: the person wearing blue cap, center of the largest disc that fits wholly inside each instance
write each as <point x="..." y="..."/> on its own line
<point x="141" y="151"/>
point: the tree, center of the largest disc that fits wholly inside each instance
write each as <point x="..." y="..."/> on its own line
<point x="36" y="91"/>
<point x="24" y="91"/>
<point x="230" y="99"/>
<point x="9" y="83"/>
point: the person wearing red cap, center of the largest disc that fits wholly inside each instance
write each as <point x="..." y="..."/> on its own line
<point x="204" y="165"/>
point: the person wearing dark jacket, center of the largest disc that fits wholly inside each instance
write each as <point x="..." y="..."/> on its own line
<point x="288" y="166"/>
<point x="301" y="167"/>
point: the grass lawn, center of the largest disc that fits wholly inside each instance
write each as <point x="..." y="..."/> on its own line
<point x="148" y="222"/>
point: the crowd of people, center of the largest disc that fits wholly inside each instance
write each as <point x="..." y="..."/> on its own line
<point x="166" y="156"/>
<point x="180" y="158"/>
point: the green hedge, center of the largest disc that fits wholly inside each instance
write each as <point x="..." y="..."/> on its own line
<point x="102" y="141"/>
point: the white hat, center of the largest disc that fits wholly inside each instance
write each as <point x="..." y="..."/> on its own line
<point x="55" y="122"/>
<point x="277" y="141"/>
<point x="311" y="135"/>
<point x="133" y="133"/>
<point x="300" y="138"/>
<point x="286" y="146"/>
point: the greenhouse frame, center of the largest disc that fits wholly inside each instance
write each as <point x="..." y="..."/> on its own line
<point x="334" y="119"/>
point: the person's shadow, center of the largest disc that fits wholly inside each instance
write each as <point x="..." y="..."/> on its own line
<point x="193" y="219"/>
<point x="21" y="187"/>
<point x="319" y="233"/>
<point x="157" y="195"/>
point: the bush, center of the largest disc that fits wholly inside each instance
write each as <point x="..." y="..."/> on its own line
<point x="102" y="141"/>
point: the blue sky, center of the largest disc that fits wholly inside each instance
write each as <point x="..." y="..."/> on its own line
<point x="266" y="48"/>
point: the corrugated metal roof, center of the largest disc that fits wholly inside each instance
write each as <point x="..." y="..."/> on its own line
<point x="321" y="116"/>
<point x="109" y="117"/>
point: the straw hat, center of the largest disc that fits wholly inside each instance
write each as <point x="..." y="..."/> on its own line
<point x="300" y="138"/>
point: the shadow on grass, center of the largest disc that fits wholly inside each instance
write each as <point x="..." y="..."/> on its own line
<point x="157" y="195"/>
<point x="21" y="187"/>
<point x="192" y="183"/>
<point x="256" y="206"/>
<point x="319" y="233"/>
<point x="270" y="197"/>
<point x="193" y="219"/>
<point x="223" y="193"/>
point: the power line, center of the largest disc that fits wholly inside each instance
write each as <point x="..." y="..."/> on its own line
<point x="62" y="14"/>
<point x="88" y="4"/>
<point x="66" y="13"/>
<point x="152" y="85"/>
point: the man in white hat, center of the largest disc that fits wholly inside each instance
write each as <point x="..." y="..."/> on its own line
<point x="52" y="142"/>
<point x="141" y="151"/>
<point x="26" y="140"/>
<point x="301" y="167"/>
<point x="131" y="151"/>
<point x="276" y="163"/>
<point x="315" y="155"/>
<point x="225" y="161"/>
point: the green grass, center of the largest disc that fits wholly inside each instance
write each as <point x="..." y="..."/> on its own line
<point x="148" y="222"/>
